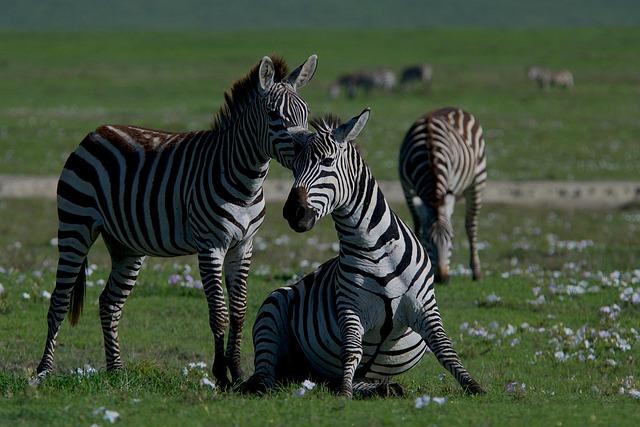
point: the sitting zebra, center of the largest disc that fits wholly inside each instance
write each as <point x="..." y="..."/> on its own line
<point x="157" y="193"/>
<point x="546" y="78"/>
<point x="417" y="74"/>
<point x="441" y="159"/>
<point x="363" y="81"/>
<point x="369" y="313"/>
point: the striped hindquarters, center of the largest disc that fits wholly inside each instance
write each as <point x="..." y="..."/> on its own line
<point x="443" y="152"/>
<point x="133" y="185"/>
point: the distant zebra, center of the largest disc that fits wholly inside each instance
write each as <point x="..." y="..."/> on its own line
<point x="369" y="313"/>
<point x="420" y="74"/>
<point x="363" y="82"/>
<point x="546" y="78"/>
<point x="441" y="159"/>
<point x="166" y="194"/>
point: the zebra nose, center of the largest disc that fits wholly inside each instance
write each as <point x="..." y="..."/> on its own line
<point x="296" y="212"/>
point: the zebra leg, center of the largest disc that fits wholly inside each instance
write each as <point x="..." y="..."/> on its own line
<point x="351" y="331"/>
<point x="74" y="242"/>
<point x="122" y="279"/>
<point x="429" y="326"/>
<point x="236" y="267"/>
<point x="210" y="264"/>
<point x="473" y="202"/>
<point x="366" y="388"/>
<point x="409" y="195"/>
<point x="271" y="338"/>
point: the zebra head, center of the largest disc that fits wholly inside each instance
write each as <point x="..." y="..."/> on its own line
<point x="436" y="234"/>
<point x="287" y="111"/>
<point x="325" y="170"/>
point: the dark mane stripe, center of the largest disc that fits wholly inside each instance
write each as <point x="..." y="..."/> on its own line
<point x="243" y="92"/>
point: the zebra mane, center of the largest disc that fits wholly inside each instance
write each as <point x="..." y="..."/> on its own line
<point x="244" y="92"/>
<point x="326" y="122"/>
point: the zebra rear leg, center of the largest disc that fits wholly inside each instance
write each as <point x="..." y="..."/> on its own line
<point x="74" y="242"/>
<point x="272" y="342"/>
<point x="122" y="279"/>
<point x="473" y="196"/>
<point x="432" y="331"/>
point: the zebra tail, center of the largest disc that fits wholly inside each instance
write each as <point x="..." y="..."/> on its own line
<point x="77" y="295"/>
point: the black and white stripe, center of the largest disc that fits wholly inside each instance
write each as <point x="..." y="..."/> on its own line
<point x="371" y="312"/>
<point x="166" y="194"/>
<point x="441" y="159"/>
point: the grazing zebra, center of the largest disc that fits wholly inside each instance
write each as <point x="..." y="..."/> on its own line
<point x="363" y="81"/>
<point x="369" y="313"/>
<point x="442" y="158"/>
<point x="547" y="78"/>
<point x="167" y="194"/>
<point x="421" y="74"/>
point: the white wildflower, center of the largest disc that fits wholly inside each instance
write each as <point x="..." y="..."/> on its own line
<point x="206" y="382"/>
<point x="45" y="295"/>
<point x="299" y="392"/>
<point x="422" y="401"/>
<point x="439" y="400"/>
<point x="26" y="295"/>
<point x="110" y="416"/>
<point x="308" y="384"/>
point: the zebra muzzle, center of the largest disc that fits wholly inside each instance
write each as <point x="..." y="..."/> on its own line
<point x="297" y="212"/>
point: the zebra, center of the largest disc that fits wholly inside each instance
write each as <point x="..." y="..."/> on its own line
<point x="364" y="81"/>
<point x="369" y="313"/>
<point x="547" y="78"/>
<point x="442" y="158"/>
<point x="421" y="74"/>
<point x="149" y="192"/>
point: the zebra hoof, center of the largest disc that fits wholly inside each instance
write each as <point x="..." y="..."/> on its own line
<point x="476" y="275"/>
<point x="472" y="387"/>
<point x="254" y="385"/>
<point x="117" y="367"/>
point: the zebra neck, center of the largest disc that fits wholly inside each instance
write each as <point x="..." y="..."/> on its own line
<point x="366" y="221"/>
<point x="239" y="153"/>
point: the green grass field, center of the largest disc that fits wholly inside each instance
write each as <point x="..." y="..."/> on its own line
<point x="56" y="87"/>
<point x="574" y="258"/>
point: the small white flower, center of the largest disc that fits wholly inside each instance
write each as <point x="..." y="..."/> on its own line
<point x="560" y="356"/>
<point x="439" y="400"/>
<point x="422" y="401"/>
<point x="299" y="392"/>
<point x="206" y="382"/>
<point x="45" y="295"/>
<point x="26" y="295"/>
<point x="99" y="410"/>
<point x="309" y="385"/>
<point x="111" y="416"/>
<point x="634" y="393"/>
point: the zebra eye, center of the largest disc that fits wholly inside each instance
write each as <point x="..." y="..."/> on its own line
<point x="327" y="161"/>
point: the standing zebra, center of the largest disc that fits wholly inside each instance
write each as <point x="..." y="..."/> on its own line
<point x="442" y="158"/>
<point x="547" y="78"/>
<point x="363" y="81"/>
<point x="421" y="74"/>
<point x="371" y="312"/>
<point x="167" y="194"/>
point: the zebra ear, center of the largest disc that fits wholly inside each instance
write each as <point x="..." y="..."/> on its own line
<point x="266" y="72"/>
<point x="349" y="131"/>
<point x="304" y="73"/>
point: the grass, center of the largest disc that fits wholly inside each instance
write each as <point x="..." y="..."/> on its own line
<point x="56" y="87"/>
<point x="165" y="327"/>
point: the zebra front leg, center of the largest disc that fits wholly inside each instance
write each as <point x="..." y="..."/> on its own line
<point x="210" y="264"/>
<point x="473" y="202"/>
<point x="122" y="279"/>
<point x="236" y="267"/>
<point x="429" y="326"/>
<point x="352" y="332"/>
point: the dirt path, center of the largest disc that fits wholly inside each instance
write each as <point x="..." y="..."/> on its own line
<point x="558" y="194"/>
